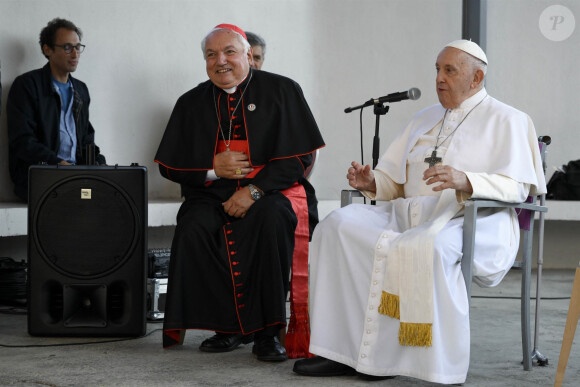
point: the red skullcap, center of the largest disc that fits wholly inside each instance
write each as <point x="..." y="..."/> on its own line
<point x="232" y="28"/>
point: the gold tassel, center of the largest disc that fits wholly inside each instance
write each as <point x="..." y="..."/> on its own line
<point x="389" y="305"/>
<point x="415" y="334"/>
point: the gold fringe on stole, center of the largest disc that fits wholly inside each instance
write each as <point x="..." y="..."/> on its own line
<point x="415" y="334"/>
<point x="390" y="305"/>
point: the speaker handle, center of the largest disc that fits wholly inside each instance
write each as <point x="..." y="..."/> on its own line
<point x="90" y="154"/>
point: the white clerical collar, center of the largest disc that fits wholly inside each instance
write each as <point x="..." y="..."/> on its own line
<point x="470" y="102"/>
<point x="232" y="90"/>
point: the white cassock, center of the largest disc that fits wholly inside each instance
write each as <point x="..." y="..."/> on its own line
<point x="496" y="145"/>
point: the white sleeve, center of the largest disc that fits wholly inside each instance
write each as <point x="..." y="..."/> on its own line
<point x="211" y="176"/>
<point x="495" y="187"/>
<point x="387" y="189"/>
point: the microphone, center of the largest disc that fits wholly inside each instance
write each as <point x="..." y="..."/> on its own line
<point x="412" y="94"/>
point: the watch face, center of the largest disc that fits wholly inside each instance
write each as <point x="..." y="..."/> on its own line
<point x="254" y="192"/>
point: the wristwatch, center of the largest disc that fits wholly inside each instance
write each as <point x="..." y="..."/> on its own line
<point x="255" y="192"/>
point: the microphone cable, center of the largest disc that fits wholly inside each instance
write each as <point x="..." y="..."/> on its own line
<point x="362" y="154"/>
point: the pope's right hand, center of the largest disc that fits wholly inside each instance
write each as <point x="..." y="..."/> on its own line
<point x="361" y="177"/>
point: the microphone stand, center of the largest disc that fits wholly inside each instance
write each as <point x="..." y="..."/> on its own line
<point x="379" y="110"/>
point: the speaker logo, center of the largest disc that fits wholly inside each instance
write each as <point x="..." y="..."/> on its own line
<point x="86" y="193"/>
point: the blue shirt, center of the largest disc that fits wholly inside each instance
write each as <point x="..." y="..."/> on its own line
<point x="68" y="137"/>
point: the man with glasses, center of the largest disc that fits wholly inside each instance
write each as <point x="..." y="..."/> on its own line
<point x="48" y="110"/>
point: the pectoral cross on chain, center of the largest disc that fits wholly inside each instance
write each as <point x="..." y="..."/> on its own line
<point x="433" y="159"/>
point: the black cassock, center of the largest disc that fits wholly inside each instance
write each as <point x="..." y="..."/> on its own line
<point x="231" y="274"/>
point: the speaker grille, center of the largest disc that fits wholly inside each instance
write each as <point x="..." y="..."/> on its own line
<point x="105" y="223"/>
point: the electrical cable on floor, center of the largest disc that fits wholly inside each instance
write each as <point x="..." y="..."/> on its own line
<point x="22" y="311"/>
<point x="80" y="343"/>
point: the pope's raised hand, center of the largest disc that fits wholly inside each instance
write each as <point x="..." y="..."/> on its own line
<point x="361" y="177"/>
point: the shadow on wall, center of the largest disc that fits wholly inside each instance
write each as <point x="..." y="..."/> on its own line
<point x="159" y="187"/>
<point x="12" y="66"/>
<point x="6" y="187"/>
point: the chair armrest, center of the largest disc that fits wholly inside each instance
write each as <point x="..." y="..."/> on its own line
<point x="484" y="203"/>
<point x="346" y="196"/>
<point x="469" y="230"/>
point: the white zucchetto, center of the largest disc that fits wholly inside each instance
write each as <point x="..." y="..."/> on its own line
<point x="469" y="47"/>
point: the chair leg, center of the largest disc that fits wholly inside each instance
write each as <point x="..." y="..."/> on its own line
<point x="569" y="330"/>
<point x="525" y="300"/>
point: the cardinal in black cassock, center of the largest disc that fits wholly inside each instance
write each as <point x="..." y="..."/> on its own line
<point x="240" y="145"/>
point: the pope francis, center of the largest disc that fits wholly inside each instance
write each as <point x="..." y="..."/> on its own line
<point x="387" y="293"/>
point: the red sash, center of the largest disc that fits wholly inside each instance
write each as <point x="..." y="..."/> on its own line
<point x="298" y="334"/>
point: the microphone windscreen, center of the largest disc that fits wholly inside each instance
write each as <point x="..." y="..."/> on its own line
<point x="414" y="93"/>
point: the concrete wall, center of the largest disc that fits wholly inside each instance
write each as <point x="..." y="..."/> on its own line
<point x="142" y="55"/>
<point x="535" y="74"/>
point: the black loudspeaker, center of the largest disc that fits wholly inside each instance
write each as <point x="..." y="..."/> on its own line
<point x="87" y="251"/>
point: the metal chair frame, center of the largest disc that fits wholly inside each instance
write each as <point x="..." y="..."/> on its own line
<point x="469" y="230"/>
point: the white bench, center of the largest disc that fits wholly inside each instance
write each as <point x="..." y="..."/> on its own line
<point x="557" y="209"/>
<point x="14" y="216"/>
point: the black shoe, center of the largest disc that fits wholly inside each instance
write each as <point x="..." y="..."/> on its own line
<point x="321" y="366"/>
<point x="373" y="378"/>
<point x="225" y="342"/>
<point x="268" y="348"/>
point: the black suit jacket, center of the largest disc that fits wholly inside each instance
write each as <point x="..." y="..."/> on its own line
<point x="33" y="114"/>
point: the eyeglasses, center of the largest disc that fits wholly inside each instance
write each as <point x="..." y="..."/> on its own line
<point x="67" y="47"/>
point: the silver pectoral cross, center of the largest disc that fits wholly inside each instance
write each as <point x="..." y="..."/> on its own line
<point x="433" y="159"/>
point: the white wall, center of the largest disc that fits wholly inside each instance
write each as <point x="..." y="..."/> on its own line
<point x="537" y="75"/>
<point x="142" y="54"/>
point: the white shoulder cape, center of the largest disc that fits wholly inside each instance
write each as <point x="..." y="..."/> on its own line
<point x="496" y="139"/>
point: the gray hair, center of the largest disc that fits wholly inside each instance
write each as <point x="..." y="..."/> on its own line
<point x="476" y="63"/>
<point x="240" y="38"/>
<point x="256" y="40"/>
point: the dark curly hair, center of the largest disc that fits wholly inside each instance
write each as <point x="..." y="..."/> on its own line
<point x="48" y="33"/>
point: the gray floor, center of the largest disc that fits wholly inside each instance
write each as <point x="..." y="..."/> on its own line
<point x="495" y="352"/>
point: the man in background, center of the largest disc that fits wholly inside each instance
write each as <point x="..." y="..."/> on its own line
<point x="258" y="45"/>
<point x="48" y="110"/>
